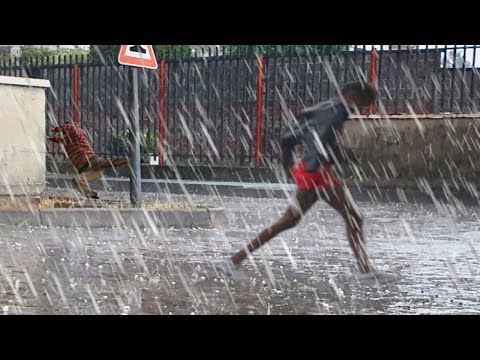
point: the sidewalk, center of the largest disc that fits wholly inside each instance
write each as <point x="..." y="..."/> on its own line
<point x="65" y="207"/>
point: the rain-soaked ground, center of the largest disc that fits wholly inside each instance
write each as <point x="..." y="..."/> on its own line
<point x="307" y="270"/>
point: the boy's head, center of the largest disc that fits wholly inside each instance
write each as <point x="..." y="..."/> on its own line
<point x="359" y="94"/>
<point x="60" y="127"/>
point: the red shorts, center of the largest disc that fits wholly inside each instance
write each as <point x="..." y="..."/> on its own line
<point x="323" y="179"/>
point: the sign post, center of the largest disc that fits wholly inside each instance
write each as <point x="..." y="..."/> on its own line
<point x="144" y="57"/>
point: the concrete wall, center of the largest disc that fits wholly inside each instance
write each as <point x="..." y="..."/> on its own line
<point x="22" y="135"/>
<point x="437" y="151"/>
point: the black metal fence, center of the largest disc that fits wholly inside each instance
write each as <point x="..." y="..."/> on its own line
<point x="211" y="100"/>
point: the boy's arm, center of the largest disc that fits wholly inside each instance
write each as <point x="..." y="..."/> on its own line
<point x="56" y="139"/>
<point x="288" y="146"/>
<point x="292" y="137"/>
<point x="63" y="128"/>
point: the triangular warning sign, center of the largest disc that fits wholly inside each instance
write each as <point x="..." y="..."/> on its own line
<point x="138" y="55"/>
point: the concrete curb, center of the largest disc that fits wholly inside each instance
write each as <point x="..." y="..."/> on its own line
<point x="217" y="217"/>
<point x="19" y="217"/>
<point x="105" y="217"/>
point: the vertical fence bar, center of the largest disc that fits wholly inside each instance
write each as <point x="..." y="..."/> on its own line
<point x="381" y="56"/>
<point x="305" y="102"/>
<point x="364" y="55"/>
<point x="417" y="93"/>
<point x="454" y="71"/>
<point x="64" y="82"/>
<point x="112" y="105"/>
<point x="193" y="106"/>
<point x="398" y="80"/>
<point x="388" y="99"/>
<point x="215" y="86"/>
<point x="274" y="95"/>
<point x="405" y="70"/>
<point x="372" y="77"/>
<point x="268" y="130"/>
<point x="180" y="99"/>
<point x="153" y="81"/>
<point x="289" y="71"/>
<point x="201" y="99"/>
<point x="321" y="66"/>
<point x="237" y="112"/>
<point x="258" y="137"/>
<point x="107" y="118"/>
<point x="75" y="94"/>
<point x="345" y="54"/>
<point x="444" y="72"/>
<point x="474" y="108"/>
<point x="208" y="65"/>
<point x="92" y="112"/>
<point x="327" y="71"/>
<point x="169" y="130"/>
<point x="336" y="59"/>
<point x="228" y="106"/>
<point x="177" y="143"/>
<point x="354" y="60"/>
<point x="71" y="62"/>
<point x="435" y="79"/>
<point x="161" y="113"/>
<point x="425" y="77"/>
<point x="188" y="115"/>
<point x="97" y="81"/>
<point x="464" y="66"/>
<point x="243" y="105"/>
<point x="141" y="104"/>
<point x="222" y="107"/>
<point x="297" y="80"/>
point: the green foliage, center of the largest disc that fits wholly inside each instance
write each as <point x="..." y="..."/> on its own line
<point x="282" y="49"/>
<point x="121" y="143"/>
<point x="148" y="142"/>
<point x="31" y="55"/>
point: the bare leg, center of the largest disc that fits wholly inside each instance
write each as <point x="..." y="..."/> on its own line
<point x="304" y="200"/>
<point x="338" y="200"/>
<point x="98" y="164"/>
<point x="81" y="182"/>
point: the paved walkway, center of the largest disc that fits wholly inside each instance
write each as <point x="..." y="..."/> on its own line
<point x="308" y="270"/>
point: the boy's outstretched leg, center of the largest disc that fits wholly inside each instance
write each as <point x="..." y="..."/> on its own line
<point x="303" y="201"/>
<point x="95" y="172"/>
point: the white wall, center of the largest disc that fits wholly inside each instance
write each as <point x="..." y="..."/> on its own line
<point x="22" y="135"/>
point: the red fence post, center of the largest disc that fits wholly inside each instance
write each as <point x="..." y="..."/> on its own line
<point x="76" y="110"/>
<point x="372" y="77"/>
<point x="258" y="133"/>
<point x="161" y="113"/>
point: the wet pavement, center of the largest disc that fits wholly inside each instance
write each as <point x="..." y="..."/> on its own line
<point x="307" y="270"/>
